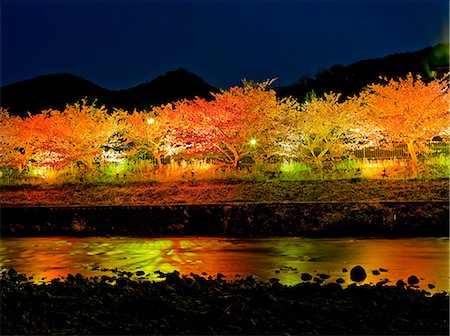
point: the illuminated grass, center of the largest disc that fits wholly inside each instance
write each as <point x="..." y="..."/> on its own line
<point x="141" y="171"/>
<point x="437" y="167"/>
<point x="296" y="171"/>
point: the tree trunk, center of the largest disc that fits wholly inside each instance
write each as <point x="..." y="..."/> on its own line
<point x="157" y="156"/>
<point x="236" y="156"/>
<point x="158" y="160"/>
<point x="412" y="153"/>
<point x="236" y="162"/>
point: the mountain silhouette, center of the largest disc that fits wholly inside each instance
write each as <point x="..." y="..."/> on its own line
<point x="173" y="86"/>
<point x="349" y="80"/>
<point x="56" y="90"/>
<point x="45" y="92"/>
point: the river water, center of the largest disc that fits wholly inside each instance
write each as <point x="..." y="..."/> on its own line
<point x="45" y="258"/>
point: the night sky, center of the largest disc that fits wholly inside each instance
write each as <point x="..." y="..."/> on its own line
<point x="119" y="44"/>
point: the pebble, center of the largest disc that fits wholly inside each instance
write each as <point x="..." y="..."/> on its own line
<point x="358" y="274"/>
<point x="306" y="276"/>
<point x="382" y="282"/>
<point x="413" y="280"/>
<point x="324" y="276"/>
<point x="400" y="283"/>
<point x="122" y="282"/>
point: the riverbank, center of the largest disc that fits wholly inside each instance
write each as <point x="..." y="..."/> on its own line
<point x="199" y="305"/>
<point x="223" y="191"/>
<point x="383" y="208"/>
<point x="287" y="219"/>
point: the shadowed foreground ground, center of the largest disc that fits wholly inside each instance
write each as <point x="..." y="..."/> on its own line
<point x="197" y="305"/>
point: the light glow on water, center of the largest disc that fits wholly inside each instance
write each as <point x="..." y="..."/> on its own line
<point x="265" y="258"/>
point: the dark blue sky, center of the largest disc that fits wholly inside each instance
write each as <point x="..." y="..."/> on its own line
<point x="119" y="44"/>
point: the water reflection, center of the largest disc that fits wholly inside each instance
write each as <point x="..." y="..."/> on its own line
<point x="283" y="258"/>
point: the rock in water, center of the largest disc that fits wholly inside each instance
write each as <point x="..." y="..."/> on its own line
<point x="358" y="273"/>
<point x="306" y="277"/>
<point x="401" y="283"/>
<point x="413" y="280"/>
<point x="324" y="276"/>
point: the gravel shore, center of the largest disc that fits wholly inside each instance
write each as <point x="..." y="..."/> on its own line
<point x="204" y="305"/>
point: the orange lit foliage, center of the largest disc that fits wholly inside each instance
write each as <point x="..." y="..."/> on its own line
<point x="145" y="133"/>
<point x="192" y="134"/>
<point x="319" y="130"/>
<point x="246" y="121"/>
<point x="234" y="118"/>
<point x="409" y="110"/>
<point x="21" y="139"/>
<point x="161" y="131"/>
<point x="224" y="126"/>
<point x="79" y="133"/>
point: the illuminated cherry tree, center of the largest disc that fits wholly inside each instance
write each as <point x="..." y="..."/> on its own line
<point x="79" y="133"/>
<point x="409" y="110"/>
<point x="320" y="130"/>
<point x="237" y="123"/>
<point x="21" y="140"/>
<point x="162" y="132"/>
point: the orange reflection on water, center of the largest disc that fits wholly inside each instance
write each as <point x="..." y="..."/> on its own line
<point x="410" y="257"/>
<point x="283" y="258"/>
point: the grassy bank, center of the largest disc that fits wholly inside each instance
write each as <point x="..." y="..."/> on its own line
<point x="223" y="191"/>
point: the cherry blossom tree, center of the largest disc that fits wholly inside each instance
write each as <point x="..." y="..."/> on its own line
<point x="238" y="122"/>
<point x="409" y="110"/>
<point x="79" y="133"/>
<point x="319" y="130"/>
<point x="164" y="131"/>
<point x="21" y="140"/>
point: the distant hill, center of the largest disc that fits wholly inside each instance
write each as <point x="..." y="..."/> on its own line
<point x="55" y="91"/>
<point x="349" y="80"/>
<point x="173" y="86"/>
<point x="44" y="92"/>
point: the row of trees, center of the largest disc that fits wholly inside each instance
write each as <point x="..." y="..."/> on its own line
<point x="247" y="121"/>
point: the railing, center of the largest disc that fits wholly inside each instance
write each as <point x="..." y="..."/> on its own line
<point x="399" y="151"/>
<point x="382" y="153"/>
